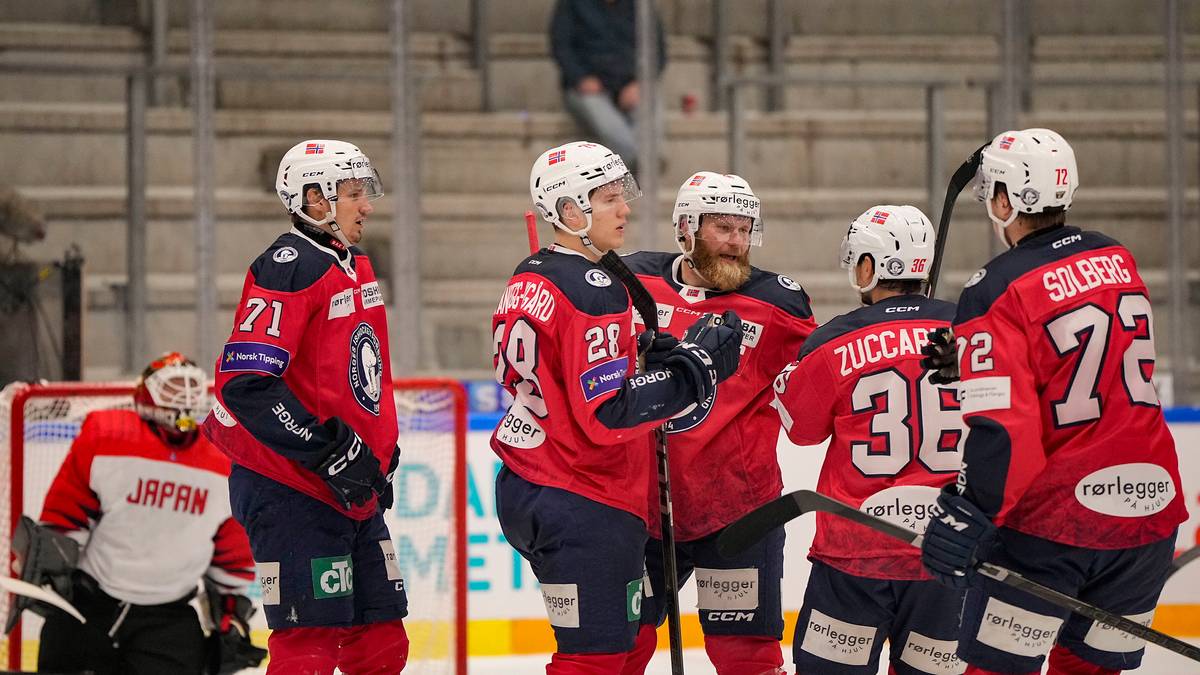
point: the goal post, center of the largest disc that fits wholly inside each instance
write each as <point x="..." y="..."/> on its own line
<point x="428" y="520"/>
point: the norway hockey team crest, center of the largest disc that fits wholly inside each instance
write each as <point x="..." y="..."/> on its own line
<point x="366" y="368"/>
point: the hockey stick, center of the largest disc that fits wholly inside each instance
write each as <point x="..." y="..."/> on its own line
<point x="1183" y="559"/>
<point x="750" y="528"/>
<point x="531" y="231"/>
<point x="34" y="592"/>
<point x="645" y="305"/>
<point x="962" y="177"/>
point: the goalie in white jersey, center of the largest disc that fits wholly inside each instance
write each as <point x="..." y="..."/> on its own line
<point x="147" y="499"/>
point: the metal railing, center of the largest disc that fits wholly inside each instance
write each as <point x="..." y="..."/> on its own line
<point x="405" y="243"/>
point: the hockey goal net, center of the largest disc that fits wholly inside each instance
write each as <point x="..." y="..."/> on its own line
<point x="428" y="520"/>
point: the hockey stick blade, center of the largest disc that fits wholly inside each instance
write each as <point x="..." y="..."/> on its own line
<point x="1183" y="559"/>
<point x="736" y="538"/>
<point x="46" y="595"/>
<point x="962" y="177"/>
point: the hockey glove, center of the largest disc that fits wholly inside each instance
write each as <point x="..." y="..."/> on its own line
<point x="231" y="649"/>
<point x="709" y="353"/>
<point x="654" y="348"/>
<point x="941" y="356"/>
<point x="954" y="538"/>
<point x="349" y="468"/>
<point x="388" y="495"/>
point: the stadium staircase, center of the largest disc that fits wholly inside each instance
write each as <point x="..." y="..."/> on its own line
<point x="831" y="153"/>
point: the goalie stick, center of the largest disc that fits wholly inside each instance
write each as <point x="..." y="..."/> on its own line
<point x="34" y="592"/>
<point x="645" y="305"/>
<point x="740" y="535"/>
<point x="962" y="177"/>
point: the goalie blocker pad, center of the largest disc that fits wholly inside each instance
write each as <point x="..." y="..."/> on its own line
<point x="43" y="556"/>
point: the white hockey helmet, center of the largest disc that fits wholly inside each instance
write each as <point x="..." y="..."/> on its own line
<point x="1037" y="167"/>
<point x="572" y="172"/>
<point x="323" y="163"/>
<point x="708" y="192"/>
<point x="900" y="239"/>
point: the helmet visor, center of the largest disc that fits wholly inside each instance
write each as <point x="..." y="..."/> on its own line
<point x="363" y="185"/>
<point x="614" y="194"/>
<point x="728" y="228"/>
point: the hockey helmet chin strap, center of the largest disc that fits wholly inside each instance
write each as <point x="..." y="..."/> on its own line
<point x="1000" y="225"/>
<point x="330" y="220"/>
<point x="581" y="233"/>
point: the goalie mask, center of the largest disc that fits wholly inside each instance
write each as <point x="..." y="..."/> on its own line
<point x="899" y="239"/>
<point x="172" y="394"/>
<point x="572" y="173"/>
<point x="324" y="164"/>
<point x="1037" y="168"/>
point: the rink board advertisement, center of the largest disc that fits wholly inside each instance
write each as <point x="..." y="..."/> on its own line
<point x="507" y="611"/>
<point x="506" y="608"/>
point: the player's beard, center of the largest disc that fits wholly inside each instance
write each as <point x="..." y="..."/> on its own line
<point x="722" y="274"/>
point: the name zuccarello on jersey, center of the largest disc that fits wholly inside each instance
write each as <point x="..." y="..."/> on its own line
<point x="889" y="343"/>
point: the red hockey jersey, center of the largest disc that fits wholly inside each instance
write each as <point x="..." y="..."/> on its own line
<point x="154" y="518"/>
<point x="1067" y="439"/>
<point x="309" y="343"/>
<point x="723" y="451"/>
<point x="581" y="418"/>
<point x="895" y="436"/>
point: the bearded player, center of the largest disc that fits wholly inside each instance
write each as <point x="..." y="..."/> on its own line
<point x="723" y="459"/>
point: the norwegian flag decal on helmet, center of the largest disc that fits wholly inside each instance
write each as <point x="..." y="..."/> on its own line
<point x="1006" y="142"/>
<point x="557" y="156"/>
<point x="696" y="180"/>
<point x="879" y="217"/>
<point x="314" y="148"/>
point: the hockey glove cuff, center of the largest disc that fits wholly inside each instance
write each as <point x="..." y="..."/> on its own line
<point x="350" y="469"/>
<point x="941" y="356"/>
<point x="721" y="337"/>
<point x="654" y="348"/>
<point x="387" y="496"/>
<point x="954" y="539"/>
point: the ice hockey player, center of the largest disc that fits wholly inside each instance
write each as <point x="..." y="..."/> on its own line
<point x="305" y="411"/>
<point x="722" y="451"/>
<point x="573" y="494"/>
<point x="1069" y="472"/>
<point x="147" y="500"/>
<point x="893" y="442"/>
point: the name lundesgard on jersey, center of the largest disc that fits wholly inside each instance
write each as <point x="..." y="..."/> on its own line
<point x="273" y="395"/>
<point x="896" y="436"/>
<point x="723" y="458"/>
<point x="564" y="346"/>
<point x="1058" y="329"/>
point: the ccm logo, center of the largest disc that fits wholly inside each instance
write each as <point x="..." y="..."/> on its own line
<point x="895" y="310"/>
<point x="1066" y="240"/>
<point x="730" y="616"/>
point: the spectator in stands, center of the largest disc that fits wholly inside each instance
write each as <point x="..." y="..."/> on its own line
<point x="595" y="45"/>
